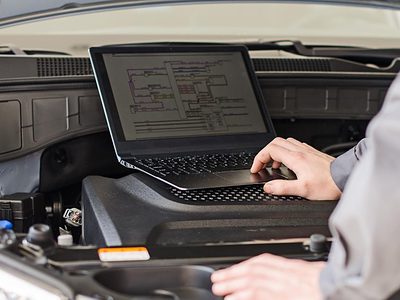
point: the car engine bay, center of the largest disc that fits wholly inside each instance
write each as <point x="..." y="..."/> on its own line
<point x="58" y="167"/>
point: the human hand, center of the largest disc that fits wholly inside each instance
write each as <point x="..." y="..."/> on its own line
<point x="269" y="277"/>
<point x="312" y="168"/>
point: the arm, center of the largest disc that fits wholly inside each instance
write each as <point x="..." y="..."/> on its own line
<point x="364" y="259"/>
<point x="342" y="166"/>
<point x="363" y="262"/>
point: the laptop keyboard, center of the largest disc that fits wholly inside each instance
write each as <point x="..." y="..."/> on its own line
<point x="198" y="164"/>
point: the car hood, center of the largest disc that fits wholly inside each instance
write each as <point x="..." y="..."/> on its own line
<point x="12" y="12"/>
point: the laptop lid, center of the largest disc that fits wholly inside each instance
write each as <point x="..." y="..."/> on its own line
<point x="163" y="99"/>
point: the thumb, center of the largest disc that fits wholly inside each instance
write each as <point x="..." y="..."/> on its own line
<point x="284" y="187"/>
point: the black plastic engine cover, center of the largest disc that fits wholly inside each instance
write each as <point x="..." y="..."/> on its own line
<point x="137" y="210"/>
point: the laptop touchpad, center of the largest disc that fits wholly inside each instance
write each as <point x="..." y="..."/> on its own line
<point x="242" y="177"/>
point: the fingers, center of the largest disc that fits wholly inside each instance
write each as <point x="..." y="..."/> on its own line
<point x="276" y="165"/>
<point x="291" y="144"/>
<point x="269" y="277"/>
<point x="264" y="271"/>
<point x="230" y="285"/>
<point x="269" y="259"/>
<point x="308" y="148"/>
<point x="255" y="265"/>
<point x="300" y="144"/>
<point x="250" y="287"/>
<point x="285" y="188"/>
<point x="277" y="152"/>
<point x="270" y="152"/>
<point x="242" y="295"/>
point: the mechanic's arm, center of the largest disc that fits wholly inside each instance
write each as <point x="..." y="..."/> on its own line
<point x="364" y="258"/>
<point x="272" y="277"/>
<point x="342" y="166"/>
<point x="312" y="168"/>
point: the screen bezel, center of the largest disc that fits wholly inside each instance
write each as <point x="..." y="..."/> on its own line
<point x="128" y="148"/>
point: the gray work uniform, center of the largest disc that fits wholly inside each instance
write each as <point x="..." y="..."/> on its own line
<point x="342" y="166"/>
<point x="364" y="262"/>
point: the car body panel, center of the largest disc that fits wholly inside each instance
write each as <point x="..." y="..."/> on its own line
<point x="12" y="12"/>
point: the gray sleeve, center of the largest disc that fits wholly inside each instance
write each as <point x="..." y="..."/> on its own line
<point x="364" y="259"/>
<point x="342" y="166"/>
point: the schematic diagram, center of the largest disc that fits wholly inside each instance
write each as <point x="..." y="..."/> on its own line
<point x="181" y="95"/>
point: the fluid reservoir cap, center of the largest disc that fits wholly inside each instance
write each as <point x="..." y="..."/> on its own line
<point x="7" y="239"/>
<point x="40" y="235"/>
<point x="4" y="224"/>
<point x="317" y="243"/>
<point x="65" y="240"/>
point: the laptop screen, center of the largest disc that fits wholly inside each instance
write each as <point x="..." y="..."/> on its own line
<point x="183" y="94"/>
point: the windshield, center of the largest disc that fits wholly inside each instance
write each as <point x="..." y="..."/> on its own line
<point x="221" y="22"/>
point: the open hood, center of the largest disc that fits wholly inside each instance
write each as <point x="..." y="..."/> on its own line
<point x="12" y="12"/>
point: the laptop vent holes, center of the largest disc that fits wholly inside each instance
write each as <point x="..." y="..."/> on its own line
<point x="241" y="194"/>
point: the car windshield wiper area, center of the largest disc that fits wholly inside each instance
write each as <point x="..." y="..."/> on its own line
<point x="13" y="50"/>
<point x="382" y="58"/>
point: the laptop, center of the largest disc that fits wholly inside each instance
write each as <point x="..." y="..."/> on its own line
<point x="192" y="116"/>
